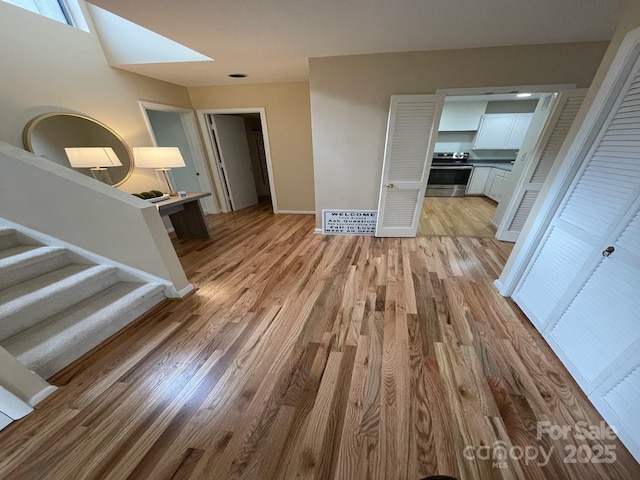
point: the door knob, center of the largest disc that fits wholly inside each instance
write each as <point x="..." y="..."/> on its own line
<point x="389" y="185"/>
<point x="608" y="251"/>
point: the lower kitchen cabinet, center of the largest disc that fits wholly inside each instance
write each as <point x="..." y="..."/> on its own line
<point x="478" y="182"/>
<point x="489" y="181"/>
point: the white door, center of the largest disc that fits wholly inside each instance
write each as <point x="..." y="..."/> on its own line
<point x="581" y="289"/>
<point x="231" y="138"/>
<point x="411" y="135"/>
<point x="511" y="217"/>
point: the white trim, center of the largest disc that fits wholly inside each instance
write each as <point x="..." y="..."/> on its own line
<point x="186" y="290"/>
<point x="214" y="162"/>
<point x="551" y="88"/>
<point x="190" y="126"/>
<point x="586" y="126"/>
<point x="41" y="395"/>
<point x="317" y="231"/>
<point x="12" y="406"/>
<point x="297" y="212"/>
<point x="80" y="17"/>
<point x="205" y="128"/>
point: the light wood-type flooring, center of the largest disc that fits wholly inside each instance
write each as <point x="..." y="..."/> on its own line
<point x="311" y="357"/>
<point x="457" y="216"/>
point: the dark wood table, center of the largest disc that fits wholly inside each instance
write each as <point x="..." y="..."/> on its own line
<point x="186" y="215"/>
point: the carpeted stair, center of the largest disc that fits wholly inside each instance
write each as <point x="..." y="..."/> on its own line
<point x="55" y="306"/>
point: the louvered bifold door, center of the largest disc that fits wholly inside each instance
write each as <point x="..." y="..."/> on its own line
<point x="582" y="287"/>
<point x="601" y="193"/>
<point x="543" y="157"/>
<point x="411" y="134"/>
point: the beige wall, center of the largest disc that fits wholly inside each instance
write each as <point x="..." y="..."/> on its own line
<point x="48" y="66"/>
<point x="289" y="126"/>
<point x="350" y="98"/>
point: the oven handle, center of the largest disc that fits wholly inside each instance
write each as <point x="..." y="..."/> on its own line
<point x="461" y="167"/>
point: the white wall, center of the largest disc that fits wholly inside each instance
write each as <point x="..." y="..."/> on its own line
<point x="48" y="66"/>
<point x="74" y="208"/>
<point x="350" y="98"/>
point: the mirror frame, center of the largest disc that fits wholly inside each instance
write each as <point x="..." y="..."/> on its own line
<point x="33" y="123"/>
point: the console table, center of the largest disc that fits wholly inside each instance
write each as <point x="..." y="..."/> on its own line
<point x="186" y="215"/>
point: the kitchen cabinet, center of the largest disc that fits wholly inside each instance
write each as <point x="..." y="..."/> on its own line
<point x="478" y="182"/>
<point x="461" y="116"/>
<point x="500" y="131"/>
<point x="496" y="183"/>
<point x="520" y="126"/>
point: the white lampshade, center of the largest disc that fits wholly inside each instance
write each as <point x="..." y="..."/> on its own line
<point x="92" y="157"/>
<point x="158" y="157"/>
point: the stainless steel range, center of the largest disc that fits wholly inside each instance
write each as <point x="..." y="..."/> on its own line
<point x="449" y="174"/>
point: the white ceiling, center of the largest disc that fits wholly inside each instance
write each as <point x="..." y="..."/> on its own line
<point x="272" y="40"/>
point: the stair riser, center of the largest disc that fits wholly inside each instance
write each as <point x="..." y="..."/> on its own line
<point x="27" y="272"/>
<point x="8" y="241"/>
<point x="12" y="323"/>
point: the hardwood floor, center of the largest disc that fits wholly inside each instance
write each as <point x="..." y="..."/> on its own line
<point x="303" y="356"/>
<point x="457" y="216"/>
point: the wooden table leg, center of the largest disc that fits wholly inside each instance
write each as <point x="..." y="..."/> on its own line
<point x="190" y="222"/>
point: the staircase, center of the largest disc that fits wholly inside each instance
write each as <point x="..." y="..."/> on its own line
<point x="55" y="306"/>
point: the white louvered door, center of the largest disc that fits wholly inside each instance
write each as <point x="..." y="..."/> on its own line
<point x="411" y="134"/>
<point x="543" y="156"/>
<point x="582" y="287"/>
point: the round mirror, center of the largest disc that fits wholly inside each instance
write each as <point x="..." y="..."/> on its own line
<point x="49" y="134"/>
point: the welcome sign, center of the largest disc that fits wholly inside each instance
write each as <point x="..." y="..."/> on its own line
<point x="349" y="222"/>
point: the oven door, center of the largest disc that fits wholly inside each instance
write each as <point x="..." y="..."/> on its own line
<point x="448" y="181"/>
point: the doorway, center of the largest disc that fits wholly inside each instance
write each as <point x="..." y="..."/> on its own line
<point x="238" y="145"/>
<point x="470" y="213"/>
<point x="415" y="126"/>
<point x="176" y="127"/>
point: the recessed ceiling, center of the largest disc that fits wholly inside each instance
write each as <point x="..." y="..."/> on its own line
<point x="272" y="40"/>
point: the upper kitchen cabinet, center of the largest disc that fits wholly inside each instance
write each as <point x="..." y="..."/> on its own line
<point x="461" y="116"/>
<point x="501" y="131"/>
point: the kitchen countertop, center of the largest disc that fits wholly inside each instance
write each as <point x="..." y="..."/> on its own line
<point x="508" y="166"/>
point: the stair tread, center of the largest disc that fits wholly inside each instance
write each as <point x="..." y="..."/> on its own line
<point x="68" y="327"/>
<point x="27" y="303"/>
<point x="13" y="298"/>
<point x="27" y="254"/>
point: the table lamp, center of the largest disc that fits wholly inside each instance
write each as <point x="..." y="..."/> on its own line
<point x="163" y="159"/>
<point x="97" y="159"/>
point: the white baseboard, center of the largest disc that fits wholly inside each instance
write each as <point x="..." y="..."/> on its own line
<point x="181" y="293"/>
<point x="41" y="395"/>
<point x="499" y="286"/>
<point x="317" y="230"/>
<point x="296" y="212"/>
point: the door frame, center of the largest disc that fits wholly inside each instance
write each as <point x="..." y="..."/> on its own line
<point x="590" y="118"/>
<point x="546" y="88"/>
<point x="188" y="120"/>
<point x="206" y="131"/>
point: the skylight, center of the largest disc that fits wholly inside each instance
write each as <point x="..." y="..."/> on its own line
<point x="53" y="9"/>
